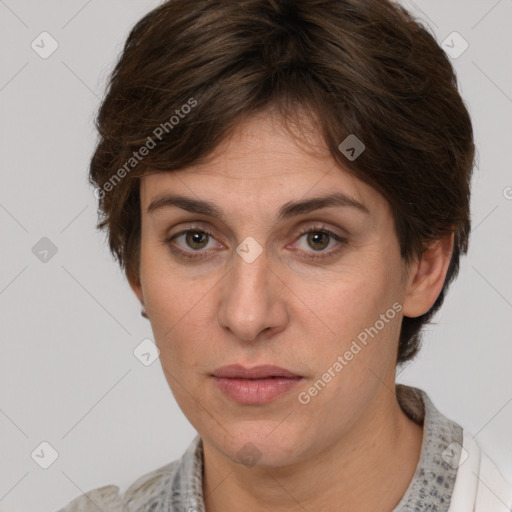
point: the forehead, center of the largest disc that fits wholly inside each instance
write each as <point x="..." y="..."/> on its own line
<point x="262" y="162"/>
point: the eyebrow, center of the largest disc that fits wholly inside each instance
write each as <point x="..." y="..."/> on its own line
<point x="288" y="210"/>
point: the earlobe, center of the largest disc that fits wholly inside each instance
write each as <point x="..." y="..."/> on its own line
<point x="427" y="276"/>
<point x="136" y="287"/>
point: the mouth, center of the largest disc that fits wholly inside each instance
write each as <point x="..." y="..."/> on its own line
<point x="236" y="371"/>
<point x="253" y="386"/>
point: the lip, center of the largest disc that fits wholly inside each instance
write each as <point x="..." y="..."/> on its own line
<point x="257" y="385"/>
<point x="236" y="371"/>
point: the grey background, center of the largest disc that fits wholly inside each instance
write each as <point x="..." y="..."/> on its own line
<point x="70" y="324"/>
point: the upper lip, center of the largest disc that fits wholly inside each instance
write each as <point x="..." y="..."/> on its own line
<point x="235" y="371"/>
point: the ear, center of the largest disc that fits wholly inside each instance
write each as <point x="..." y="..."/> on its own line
<point x="136" y="287"/>
<point x="426" y="277"/>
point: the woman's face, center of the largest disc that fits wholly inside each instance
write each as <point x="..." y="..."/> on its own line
<point x="315" y="291"/>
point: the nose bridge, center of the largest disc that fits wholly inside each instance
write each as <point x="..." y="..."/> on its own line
<point x="249" y="282"/>
<point x="250" y="303"/>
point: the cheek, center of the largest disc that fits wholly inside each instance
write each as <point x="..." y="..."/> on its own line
<point x="171" y="298"/>
<point x="170" y="290"/>
<point x="352" y="358"/>
<point x="358" y="312"/>
<point x="346" y="303"/>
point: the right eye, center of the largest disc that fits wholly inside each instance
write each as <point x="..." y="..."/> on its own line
<point x="191" y="243"/>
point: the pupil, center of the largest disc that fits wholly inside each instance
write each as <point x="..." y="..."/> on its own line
<point x="194" y="238"/>
<point x="316" y="239"/>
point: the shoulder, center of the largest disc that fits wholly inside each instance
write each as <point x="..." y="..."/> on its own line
<point x="479" y="485"/>
<point x="147" y="491"/>
<point x="105" y="498"/>
<point x="166" y="488"/>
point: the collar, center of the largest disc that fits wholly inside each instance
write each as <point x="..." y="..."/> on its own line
<point x="432" y="484"/>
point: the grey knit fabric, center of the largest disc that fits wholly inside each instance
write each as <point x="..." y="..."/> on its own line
<point x="177" y="487"/>
<point x="432" y="484"/>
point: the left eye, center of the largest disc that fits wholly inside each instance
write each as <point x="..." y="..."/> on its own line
<point x="318" y="240"/>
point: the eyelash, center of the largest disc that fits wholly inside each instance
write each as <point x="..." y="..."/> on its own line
<point x="200" y="254"/>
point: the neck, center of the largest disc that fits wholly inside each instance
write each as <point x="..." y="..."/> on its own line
<point x="369" y="468"/>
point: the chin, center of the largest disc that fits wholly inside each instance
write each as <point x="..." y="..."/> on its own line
<point x="261" y="444"/>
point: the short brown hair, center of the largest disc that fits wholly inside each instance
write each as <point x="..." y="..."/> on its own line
<point x="361" y="67"/>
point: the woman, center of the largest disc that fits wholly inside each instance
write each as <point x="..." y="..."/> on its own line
<point x="286" y="186"/>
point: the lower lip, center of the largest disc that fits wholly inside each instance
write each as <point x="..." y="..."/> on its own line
<point x="255" y="391"/>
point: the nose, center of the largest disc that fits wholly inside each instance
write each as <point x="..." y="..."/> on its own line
<point x="253" y="300"/>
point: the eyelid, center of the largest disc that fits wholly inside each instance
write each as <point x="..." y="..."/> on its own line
<point x="191" y="226"/>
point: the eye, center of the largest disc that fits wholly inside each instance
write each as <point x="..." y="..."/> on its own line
<point x="317" y="240"/>
<point x="323" y="241"/>
<point x="315" y="243"/>
<point x="195" y="240"/>
<point x="192" y="243"/>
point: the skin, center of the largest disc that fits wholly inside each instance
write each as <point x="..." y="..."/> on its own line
<point x="351" y="448"/>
